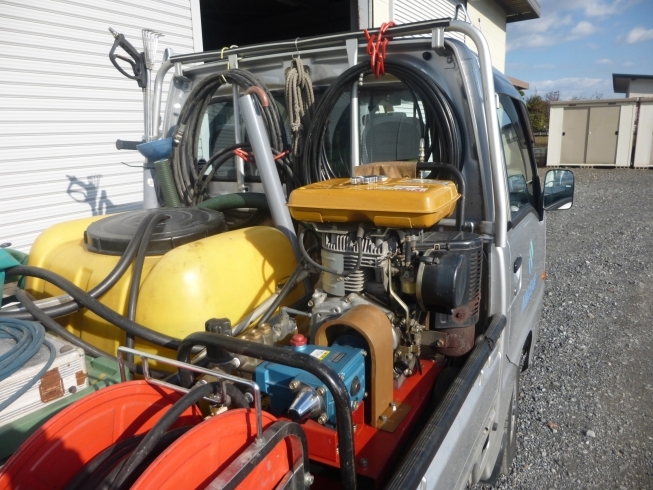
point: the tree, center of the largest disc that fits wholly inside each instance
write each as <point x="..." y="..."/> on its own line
<point x="539" y="109"/>
<point x="538" y="112"/>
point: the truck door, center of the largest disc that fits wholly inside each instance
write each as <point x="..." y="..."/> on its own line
<point x="526" y="235"/>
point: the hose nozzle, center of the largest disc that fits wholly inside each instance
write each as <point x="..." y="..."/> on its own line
<point x="114" y="32"/>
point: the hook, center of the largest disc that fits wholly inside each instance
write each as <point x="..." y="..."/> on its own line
<point x="297" y="49"/>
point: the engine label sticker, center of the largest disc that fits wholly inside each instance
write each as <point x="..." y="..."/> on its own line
<point x="320" y="354"/>
<point x="426" y="181"/>
<point x="409" y="188"/>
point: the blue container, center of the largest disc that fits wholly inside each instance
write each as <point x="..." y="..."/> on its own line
<point x="156" y="150"/>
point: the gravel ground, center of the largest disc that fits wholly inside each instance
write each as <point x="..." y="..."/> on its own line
<point x="586" y="403"/>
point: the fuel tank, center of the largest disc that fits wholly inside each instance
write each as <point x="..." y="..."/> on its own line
<point x="220" y="276"/>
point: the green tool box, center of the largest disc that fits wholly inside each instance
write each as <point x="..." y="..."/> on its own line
<point x="101" y="372"/>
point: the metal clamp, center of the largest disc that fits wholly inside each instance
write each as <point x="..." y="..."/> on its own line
<point x="223" y="377"/>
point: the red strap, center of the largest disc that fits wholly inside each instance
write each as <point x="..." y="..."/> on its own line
<point x="376" y="47"/>
<point x="248" y="157"/>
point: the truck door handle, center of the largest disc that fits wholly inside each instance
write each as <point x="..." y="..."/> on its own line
<point x="517" y="265"/>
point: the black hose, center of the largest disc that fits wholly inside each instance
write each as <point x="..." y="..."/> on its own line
<point x="291" y="284"/>
<point x="137" y="273"/>
<point x="85" y="300"/>
<point x="460" y="182"/>
<point x="155" y="434"/>
<point x="344" y="273"/>
<point x="107" y="283"/>
<point x="442" y="135"/>
<point x="90" y="350"/>
<point x="53" y="326"/>
<point x="238" y="398"/>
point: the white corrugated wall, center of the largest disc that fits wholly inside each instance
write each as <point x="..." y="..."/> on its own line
<point x="63" y="105"/>
<point x="405" y="11"/>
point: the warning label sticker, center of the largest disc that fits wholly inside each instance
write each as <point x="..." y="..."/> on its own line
<point x="320" y="354"/>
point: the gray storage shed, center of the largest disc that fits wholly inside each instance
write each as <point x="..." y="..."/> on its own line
<point x="591" y="132"/>
<point x="644" y="145"/>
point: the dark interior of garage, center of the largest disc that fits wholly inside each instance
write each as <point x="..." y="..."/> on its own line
<point x="243" y="22"/>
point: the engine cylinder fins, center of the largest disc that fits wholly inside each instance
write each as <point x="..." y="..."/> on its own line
<point x="375" y="328"/>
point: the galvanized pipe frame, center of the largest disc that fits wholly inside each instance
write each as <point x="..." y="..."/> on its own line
<point x="196" y="369"/>
<point x="433" y="27"/>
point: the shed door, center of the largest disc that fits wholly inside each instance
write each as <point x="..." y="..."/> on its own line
<point x="602" y="136"/>
<point x="574" y="135"/>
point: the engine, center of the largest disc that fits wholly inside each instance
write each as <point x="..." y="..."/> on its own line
<point x="391" y="289"/>
<point x="377" y="248"/>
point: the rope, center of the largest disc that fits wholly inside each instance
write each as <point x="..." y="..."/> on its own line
<point x="299" y="99"/>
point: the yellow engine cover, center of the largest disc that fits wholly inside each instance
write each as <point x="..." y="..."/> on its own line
<point x="396" y="203"/>
<point x="221" y="276"/>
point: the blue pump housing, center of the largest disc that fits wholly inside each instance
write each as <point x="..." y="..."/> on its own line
<point x="275" y="379"/>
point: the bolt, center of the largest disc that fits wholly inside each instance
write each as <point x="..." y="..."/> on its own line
<point x="384" y="418"/>
<point x="322" y="419"/>
<point x="308" y="479"/>
<point x="365" y="395"/>
<point x="339" y="279"/>
<point x="342" y="376"/>
<point x="364" y="353"/>
<point x="294" y="384"/>
<point x="355" y="427"/>
<point x="347" y="299"/>
<point x="354" y="405"/>
<point x="394" y="406"/>
<point x="439" y="343"/>
<point x="310" y="303"/>
<point x="321" y="391"/>
<point x="363" y="462"/>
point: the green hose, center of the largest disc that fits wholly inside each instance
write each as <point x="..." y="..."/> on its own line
<point x="164" y="173"/>
<point x="235" y="201"/>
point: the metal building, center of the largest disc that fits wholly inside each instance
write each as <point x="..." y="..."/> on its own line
<point x="591" y="132"/>
<point x="63" y="105"/>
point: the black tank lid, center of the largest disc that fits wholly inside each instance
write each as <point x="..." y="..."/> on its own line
<point x="111" y="235"/>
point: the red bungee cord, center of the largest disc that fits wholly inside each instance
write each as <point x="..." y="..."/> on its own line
<point x="376" y="45"/>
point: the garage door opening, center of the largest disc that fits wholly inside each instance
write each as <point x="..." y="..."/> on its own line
<point x="243" y="22"/>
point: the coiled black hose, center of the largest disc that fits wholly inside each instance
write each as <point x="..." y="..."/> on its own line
<point x="125" y="477"/>
<point x="442" y="134"/>
<point x="184" y="156"/>
<point x="107" y="283"/>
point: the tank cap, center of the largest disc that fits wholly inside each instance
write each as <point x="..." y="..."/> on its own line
<point x="298" y="340"/>
<point x="111" y="235"/>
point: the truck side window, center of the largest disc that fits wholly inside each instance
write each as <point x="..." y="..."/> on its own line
<point x="515" y="151"/>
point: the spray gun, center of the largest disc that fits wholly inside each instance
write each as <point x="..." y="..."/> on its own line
<point x="141" y="65"/>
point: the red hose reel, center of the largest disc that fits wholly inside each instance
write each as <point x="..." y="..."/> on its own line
<point x="216" y="448"/>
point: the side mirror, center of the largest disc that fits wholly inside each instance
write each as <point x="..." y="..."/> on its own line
<point x="558" y="190"/>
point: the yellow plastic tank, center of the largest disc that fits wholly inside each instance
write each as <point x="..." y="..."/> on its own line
<point x="221" y="276"/>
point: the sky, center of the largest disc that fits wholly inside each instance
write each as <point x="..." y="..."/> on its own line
<point x="577" y="45"/>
